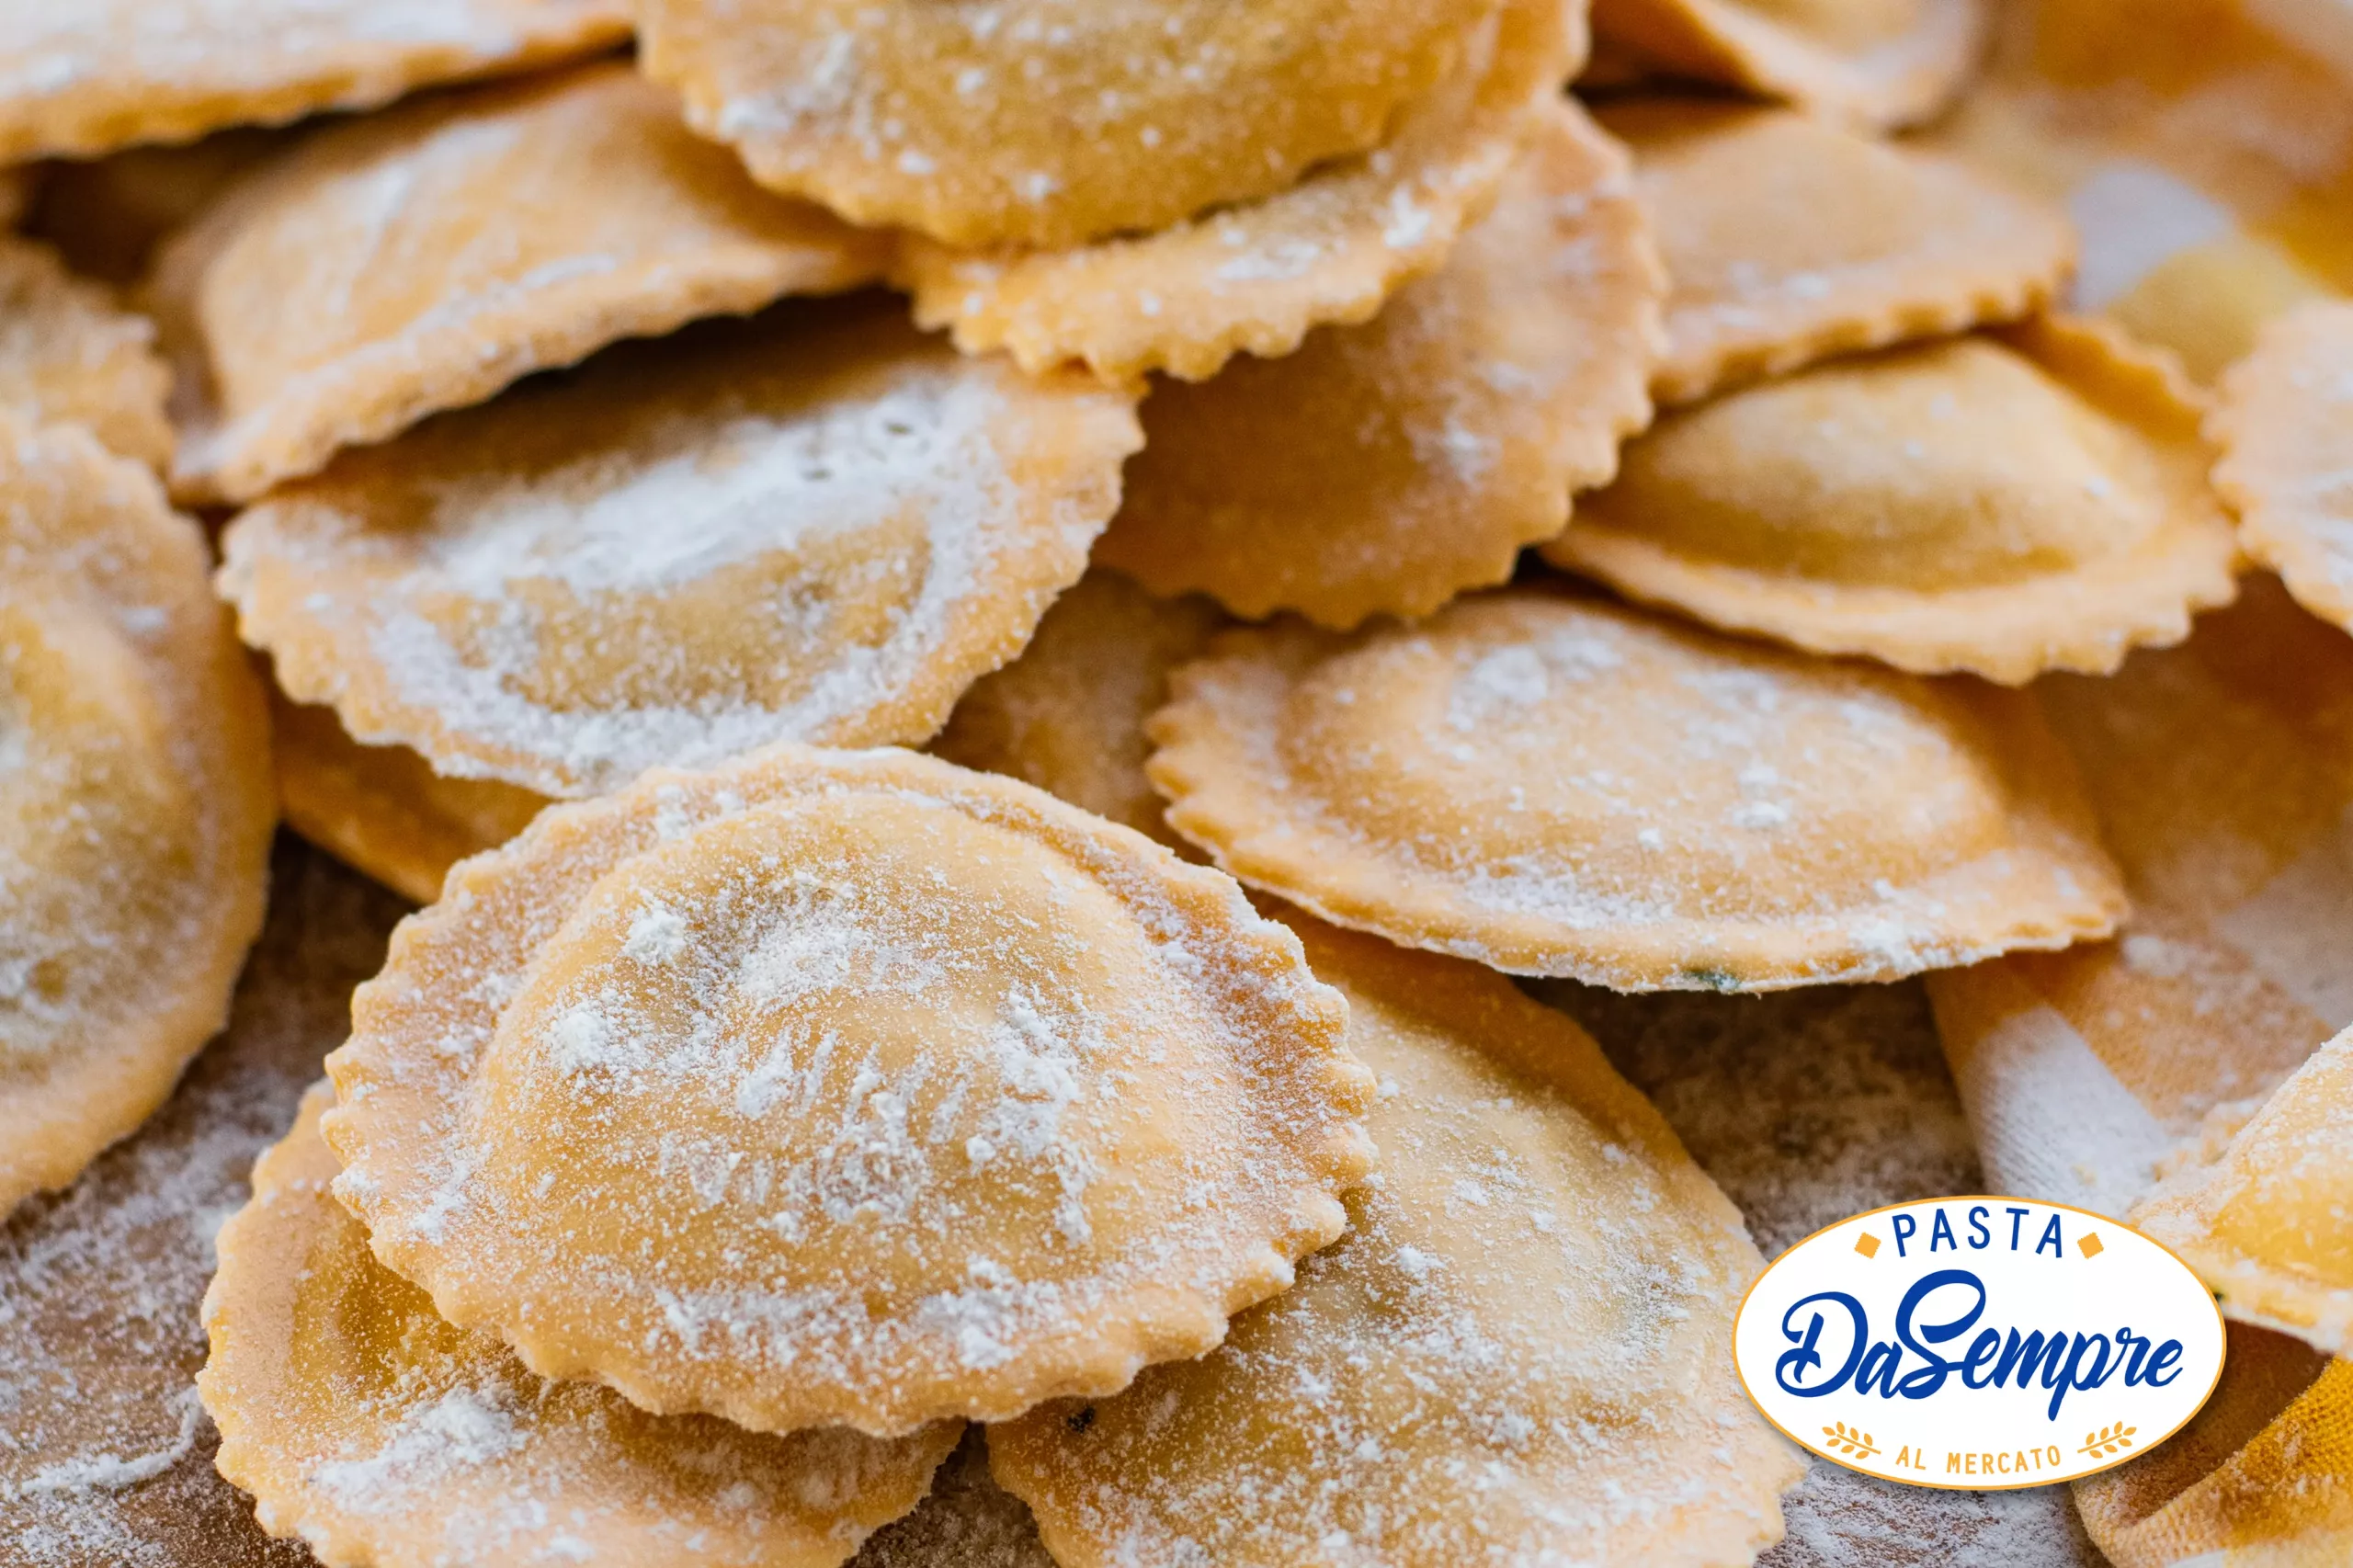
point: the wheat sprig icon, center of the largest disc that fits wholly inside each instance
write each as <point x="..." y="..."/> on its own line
<point x="2109" y="1442"/>
<point x="1854" y="1443"/>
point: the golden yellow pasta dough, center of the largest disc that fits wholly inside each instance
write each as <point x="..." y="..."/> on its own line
<point x="2003" y="505"/>
<point x="2263" y="1219"/>
<point x="135" y="805"/>
<point x="379" y="1434"/>
<point x="1880" y="62"/>
<point x="1790" y="239"/>
<point x="941" y="1097"/>
<point x="1387" y="467"/>
<point x="91" y="75"/>
<point x="1554" y="785"/>
<point x="1045" y="122"/>
<point x="382" y="810"/>
<point x="1519" y="1352"/>
<point x="821" y="527"/>
<point x="422" y="260"/>
<point x="1068" y="714"/>
<point x="1253" y="276"/>
<point x="70" y="354"/>
<point x="2285" y="427"/>
<point x="106" y="1456"/>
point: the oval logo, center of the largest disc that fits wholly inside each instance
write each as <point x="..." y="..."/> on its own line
<point x="1978" y="1343"/>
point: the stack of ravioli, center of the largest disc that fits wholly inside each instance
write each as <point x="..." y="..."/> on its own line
<point x="1019" y="665"/>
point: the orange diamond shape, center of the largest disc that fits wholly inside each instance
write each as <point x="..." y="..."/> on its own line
<point x="2089" y="1245"/>
<point x="1867" y="1245"/>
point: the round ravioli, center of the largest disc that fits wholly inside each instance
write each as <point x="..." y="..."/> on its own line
<point x="69" y="355"/>
<point x="424" y="258"/>
<point x="2262" y="1219"/>
<point x="822" y="526"/>
<point x="1045" y="123"/>
<point x="1387" y="467"/>
<point x="1068" y="714"/>
<point x="1894" y="245"/>
<point x="92" y="76"/>
<point x="1519" y="1352"/>
<point x="1254" y="278"/>
<point x="1554" y="785"/>
<point x="383" y="1437"/>
<point x="135" y="808"/>
<point x="382" y="810"/>
<point x="1879" y="63"/>
<point x="2285" y="427"/>
<point x="942" y="1098"/>
<point x="2001" y="504"/>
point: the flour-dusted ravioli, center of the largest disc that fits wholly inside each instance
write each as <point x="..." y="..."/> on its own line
<point x="1256" y="276"/>
<point x="70" y="354"/>
<point x="2262" y="1219"/>
<point x="1387" y="467"/>
<point x="1068" y="715"/>
<point x="383" y="1437"/>
<point x="1880" y="62"/>
<point x="1893" y="243"/>
<point x="2285" y="427"/>
<point x="106" y="1456"/>
<point x="2003" y="505"/>
<point x="1044" y="121"/>
<point x="1560" y="786"/>
<point x="1519" y="1352"/>
<point x="135" y="806"/>
<point x="422" y="260"/>
<point x="845" y="1087"/>
<point x="90" y="75"/>
<point x="822" y="526"/>
<point x="382" y="810"/>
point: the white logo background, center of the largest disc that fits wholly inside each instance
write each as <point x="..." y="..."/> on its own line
<point x="2092" y="1318"/>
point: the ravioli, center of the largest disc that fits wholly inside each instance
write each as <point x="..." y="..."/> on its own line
<point x="93" y="75"/>
<point x="2262" y="1219"/>
<point x="2002" y="504"/>
<point x="382" y="810"/>
<point x="1255" y="276"/>
<point x="1041" y="121"/>
<point x="2285" y="427"/>
<point x="1520" y="1352"/>
<point x="135" y="803"/>
<point x="404" y="263"/>
<point x="1895" y="244"/>
<point x="944" y="1097"/>
<point x="376" y="1434"/>
<point x="1876" y="63"/>
<point x="1382" y="469"/>
<point x="1554" y="785"/>
<point x="821" y="527"/>
<point x="70" y="354"/>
